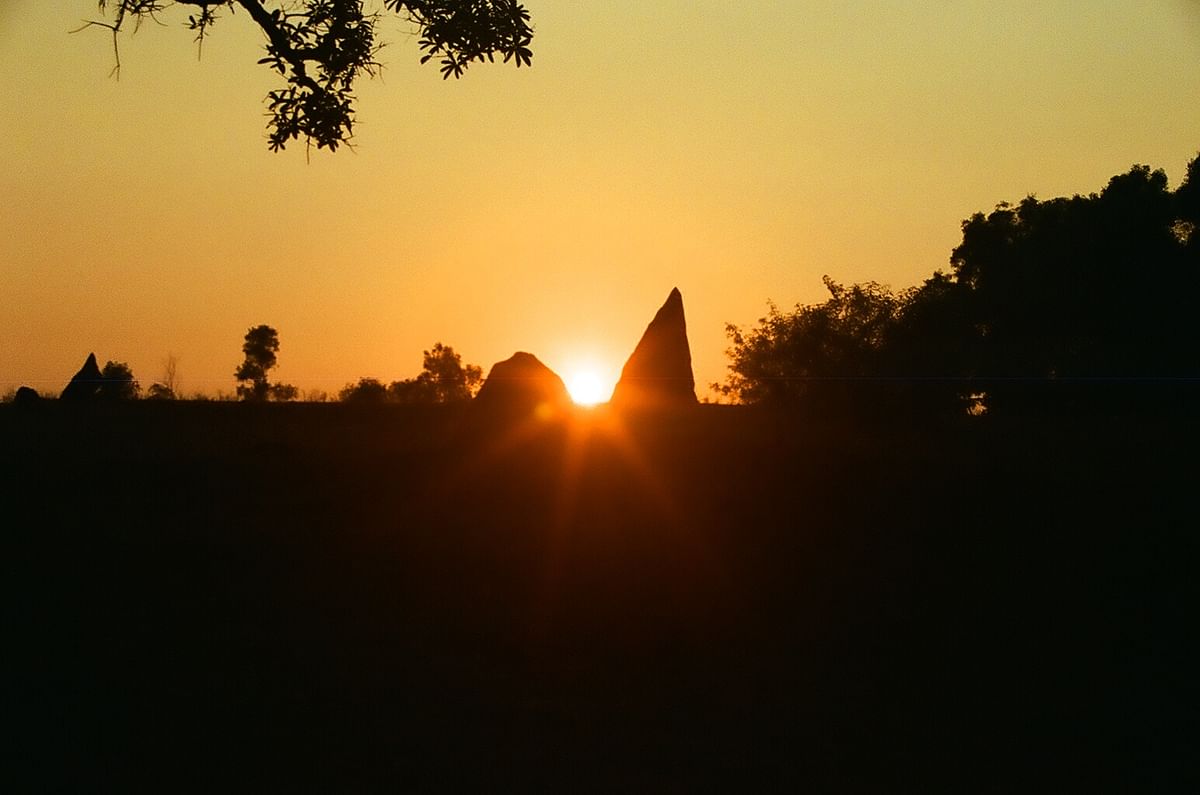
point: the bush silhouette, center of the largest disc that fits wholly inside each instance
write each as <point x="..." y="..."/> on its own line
<point x="118" y="382"/>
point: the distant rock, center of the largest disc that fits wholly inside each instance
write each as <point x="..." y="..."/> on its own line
<point x="86" y="383"/>
<point x="26" y="396"/>
<point x="659" y="372"/>
<point x="522" y="383"/>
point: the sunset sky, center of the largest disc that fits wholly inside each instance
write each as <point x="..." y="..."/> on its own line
<point x="736" y="150"/>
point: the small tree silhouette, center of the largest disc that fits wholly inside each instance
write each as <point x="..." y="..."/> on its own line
<point x="260" y="347"/>
<point x="118" y="382"/>
<point x="443" y="379"/>
<point x="167" y="388"/>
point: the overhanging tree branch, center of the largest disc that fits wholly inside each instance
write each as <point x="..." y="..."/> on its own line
<point x="321" y="47"/>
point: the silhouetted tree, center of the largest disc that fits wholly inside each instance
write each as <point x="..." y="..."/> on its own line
<point x="260" y="348"/>
<point x="928" y="352"/>
<point x="453" y="382"/>
<point x="827" y="352"/>
<point x="412" y="390"/>
<point x="367" y="390"/>
<point x="321" y="47"/>
<point x="1065" y="303"/>
<point x="117" y="382"/>
<point x="1077" y="296"/>
<point x="1187" y="208"/>
<point x="443" y="379"/>
<point x="168" y="387"/>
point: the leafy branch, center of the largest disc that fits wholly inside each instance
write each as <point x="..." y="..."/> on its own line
<point x="321" y="47"/>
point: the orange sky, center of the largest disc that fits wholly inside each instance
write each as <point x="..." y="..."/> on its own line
<point x="737" y="151"/>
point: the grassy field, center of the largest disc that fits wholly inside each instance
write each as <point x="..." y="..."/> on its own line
<point x="338" y="598"/>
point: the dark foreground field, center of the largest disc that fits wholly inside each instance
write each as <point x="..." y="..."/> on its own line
<point x="214" y="597"/>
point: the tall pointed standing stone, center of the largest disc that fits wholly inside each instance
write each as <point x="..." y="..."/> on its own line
<point x="659" y="372"/>
<point x="85" y="385"/>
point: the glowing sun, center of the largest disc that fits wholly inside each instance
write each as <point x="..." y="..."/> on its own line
<point x="586" y="388"/>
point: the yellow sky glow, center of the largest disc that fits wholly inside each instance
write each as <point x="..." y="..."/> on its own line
<point x="738" y="155"/>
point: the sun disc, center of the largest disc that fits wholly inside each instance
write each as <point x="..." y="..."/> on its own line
<point x="586" y="388"/>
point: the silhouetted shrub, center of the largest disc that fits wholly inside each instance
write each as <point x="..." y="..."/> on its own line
<point x="160" y="392"/>
<point x="367" y="390"/>
<point x="118" y="383"/>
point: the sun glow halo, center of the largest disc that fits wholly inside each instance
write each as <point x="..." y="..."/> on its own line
<point x="586" y="388"/>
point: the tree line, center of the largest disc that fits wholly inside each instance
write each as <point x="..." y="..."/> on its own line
<point x="1063" y="304"/>
<point x="443" y="377"/>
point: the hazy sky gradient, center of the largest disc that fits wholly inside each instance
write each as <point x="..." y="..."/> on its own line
<point x="737" y="151"/>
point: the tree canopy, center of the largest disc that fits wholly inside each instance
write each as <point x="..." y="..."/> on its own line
<point x="1068" y="301"/>
<point x="1085" y="286"/>
<point x="118" y="382"/>
<point x="367" y="390"/>
<point x="320" y="48"/>
<point x="820" y="347"/>
<point x="261" y="348"/>
<point x="443" y="379"/>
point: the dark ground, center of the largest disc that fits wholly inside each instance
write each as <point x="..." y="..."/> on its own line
<point x="326" y="597"/>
